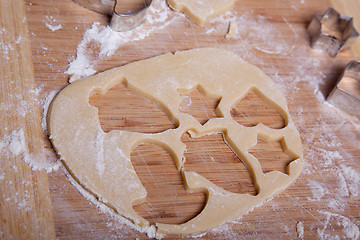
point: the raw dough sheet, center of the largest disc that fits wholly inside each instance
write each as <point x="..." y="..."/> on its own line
<point x="100" y="162"/>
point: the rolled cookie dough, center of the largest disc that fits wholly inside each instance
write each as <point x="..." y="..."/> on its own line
<point x="100" y="162"/>
<point x="200" y="10"/>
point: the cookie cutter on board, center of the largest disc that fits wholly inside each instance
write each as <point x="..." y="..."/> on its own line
<point x="120" y="22"/>
<point x="331" y="32"/>
<point x="346" y="93"/>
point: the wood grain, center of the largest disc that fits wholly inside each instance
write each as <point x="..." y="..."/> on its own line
<point x="273" y="37"/>
<point x="25" y="204"/>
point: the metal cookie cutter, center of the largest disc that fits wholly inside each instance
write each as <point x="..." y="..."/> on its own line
<point x="120" y="22"/>
<point x="346" y="94"/>
<point x="332" y="32"/>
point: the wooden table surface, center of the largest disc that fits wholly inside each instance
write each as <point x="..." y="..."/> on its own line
<point x="39" y="40"/>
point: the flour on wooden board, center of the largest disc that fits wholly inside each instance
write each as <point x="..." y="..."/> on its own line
<point x="16" y="145"/>
<point x="300" y="229"/>
<point x="159" y="16"/>
<point x="256" y="33"/>
<point x="50" y="23"/>
<point x="16" y="142"/>
<point x="352" y="180"/>
<point x="5" y="47"/>
<point x="18" y="196"/>
<point x="21" y="109"/>
<point x="349" y="228"/>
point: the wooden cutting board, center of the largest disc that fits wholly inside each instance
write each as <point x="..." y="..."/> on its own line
<point x="271" y="35"/>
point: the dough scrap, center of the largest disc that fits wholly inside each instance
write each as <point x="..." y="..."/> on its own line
<point x="101" y="163"/>
<point x="232" y="30"/>
<point x="200" y="10"/>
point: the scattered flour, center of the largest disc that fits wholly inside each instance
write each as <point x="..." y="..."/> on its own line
<point x="151" y="232"/>
<point x="17" y="143"/>
<point x="330" y="156"/>
<point x="5" y="47"/>
<point x="349" y="228"/>
<point x="259" y="33"/>
<point x="18" y="40"/>
<point x="343" y="189"/>
<point x="99" y="146"/>
<point x="336" y="205"/>
<point x="199" y="235"/>
<point x="353" y="180"/>
<point x="17" y="146"/>
<point x="50" y="23"/>
<point x="53" y="28"/>
<point x="318" y="190"/>
<point x="159" y="16"/>
<point x="300" y="229"/>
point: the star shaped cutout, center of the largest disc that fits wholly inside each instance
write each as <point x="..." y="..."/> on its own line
<point x="199" y="104"/>
<point x="273" y="155"/>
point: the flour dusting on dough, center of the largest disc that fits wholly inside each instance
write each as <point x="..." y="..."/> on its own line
<point x="353" y="180"/>
<point x="99" y="143"/>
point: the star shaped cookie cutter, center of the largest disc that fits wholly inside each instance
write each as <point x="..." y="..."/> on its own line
<point x="332" y="32"/>
<point x="119" y="22"/>
<point x="346" y="94"/>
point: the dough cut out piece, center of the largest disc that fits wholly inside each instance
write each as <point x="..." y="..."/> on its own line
<point x="100" y="162"/>
<point x="201" y="10"/>
<point x="232" y="30"/>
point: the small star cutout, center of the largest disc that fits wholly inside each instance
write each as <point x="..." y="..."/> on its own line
<point x="199" y="105"/>
<point x="273" y="155"/>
